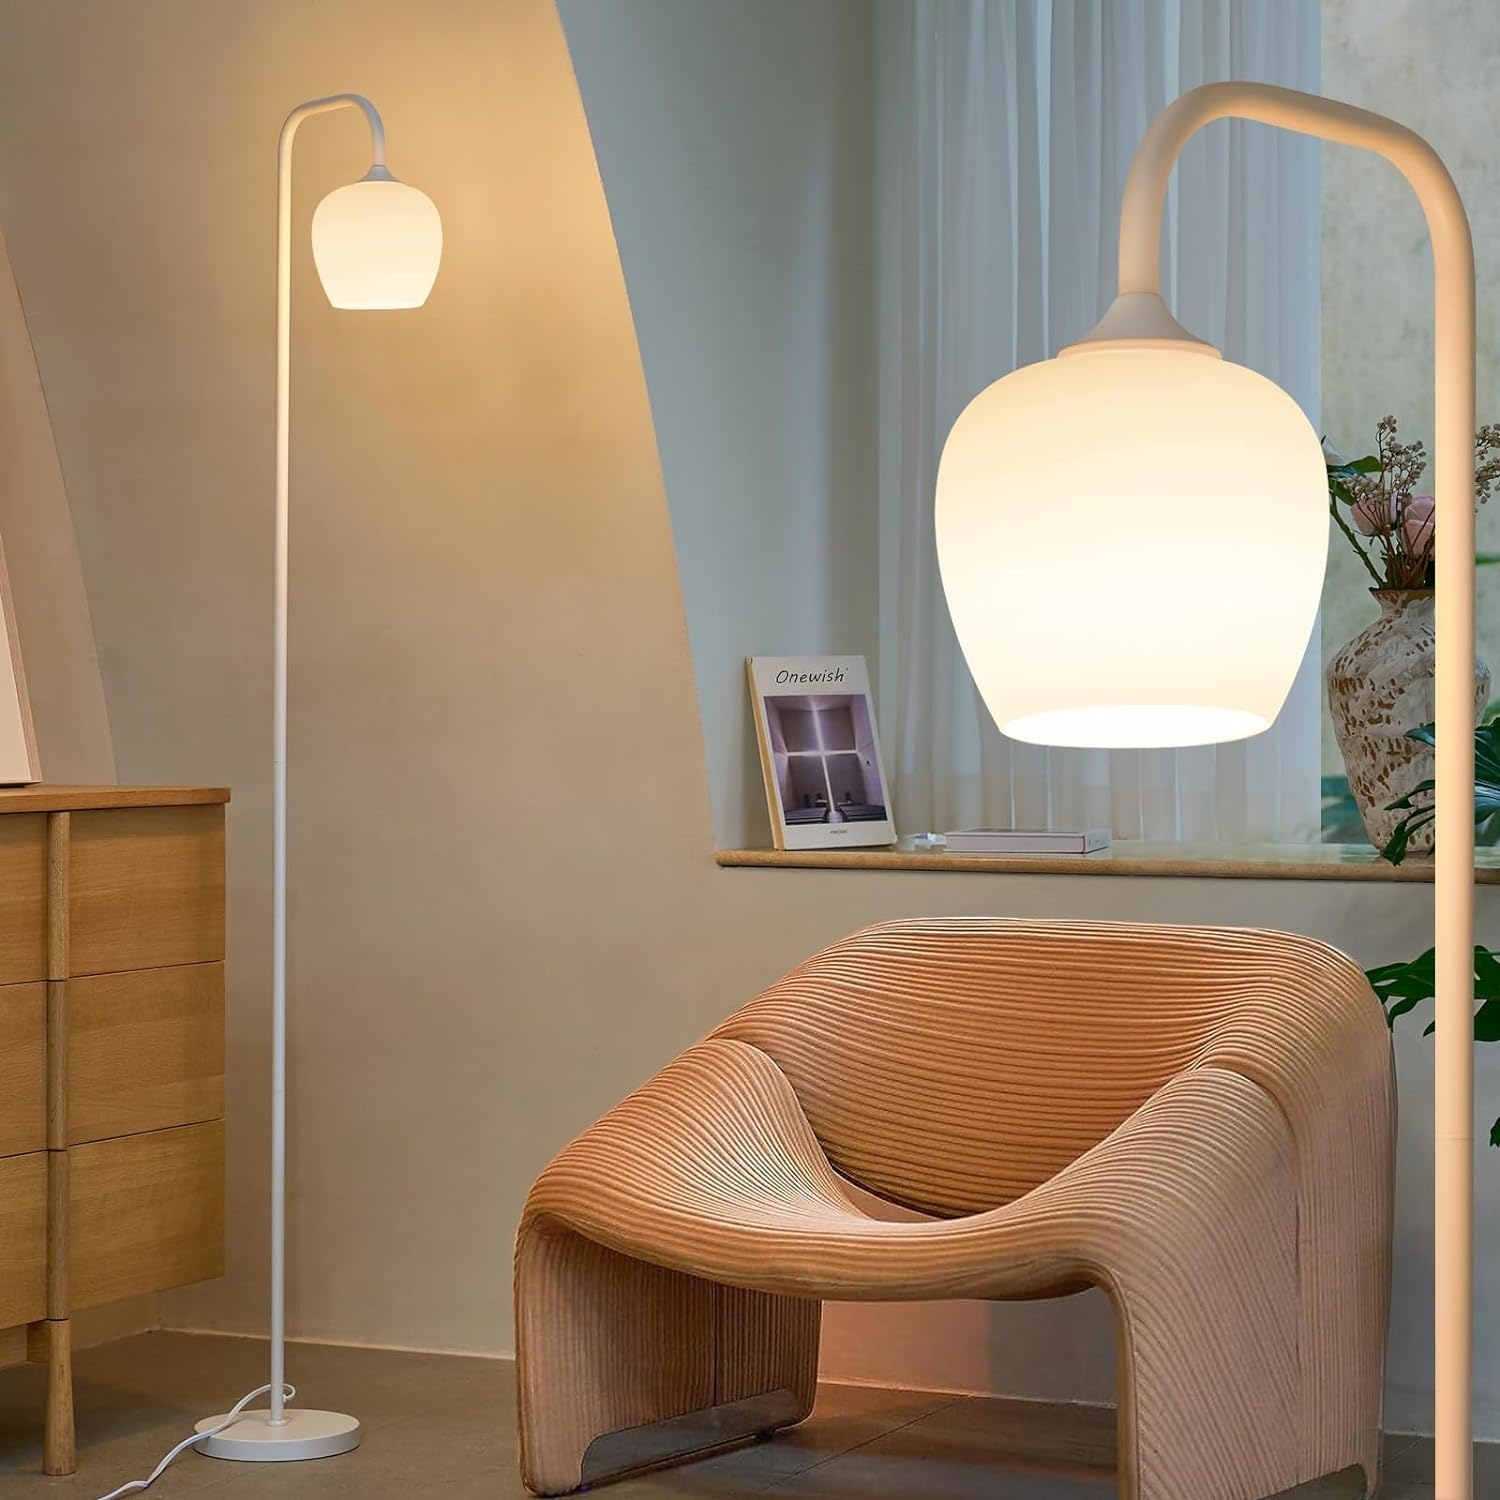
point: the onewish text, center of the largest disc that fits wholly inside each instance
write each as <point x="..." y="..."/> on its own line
<point x="831" y="674"/>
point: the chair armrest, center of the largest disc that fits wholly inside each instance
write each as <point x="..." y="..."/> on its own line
<point x="718" y="1133"/>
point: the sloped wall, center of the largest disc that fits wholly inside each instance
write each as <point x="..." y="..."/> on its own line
<point x="41" y="554"/>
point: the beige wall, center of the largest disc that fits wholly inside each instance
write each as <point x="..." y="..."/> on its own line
<point x="496" y="929"/>
<point x="1431" y="67"/>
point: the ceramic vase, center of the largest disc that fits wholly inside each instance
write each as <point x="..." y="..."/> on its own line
<point x="1379" y="686"/>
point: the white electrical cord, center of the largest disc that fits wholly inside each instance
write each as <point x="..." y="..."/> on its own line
<point x="191" y="1442"/>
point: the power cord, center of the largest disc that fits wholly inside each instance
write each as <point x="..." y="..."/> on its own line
<point x="193" y="1441"/>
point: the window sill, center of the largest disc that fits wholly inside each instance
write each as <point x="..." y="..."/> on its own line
<point x="1124" y="857"/>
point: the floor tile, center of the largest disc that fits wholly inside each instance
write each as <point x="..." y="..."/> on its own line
<point x="844" y="1418"/>
<point x="1409" y="1462"/>
<point x="442" y="1425"/>
<point x="997" y="1449"/>
<point x="121" y="1436"/>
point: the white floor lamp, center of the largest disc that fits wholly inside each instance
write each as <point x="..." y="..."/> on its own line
<point x="1132" y="539"/>
<point x="376" y="244"/>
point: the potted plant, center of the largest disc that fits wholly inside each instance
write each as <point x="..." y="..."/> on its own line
<point x="1380" y="686"/>
<point x="1402" y="987"/>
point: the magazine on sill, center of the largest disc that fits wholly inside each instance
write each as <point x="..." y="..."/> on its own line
<point x="1027" y="841"/>
<point x="815" y="722"/>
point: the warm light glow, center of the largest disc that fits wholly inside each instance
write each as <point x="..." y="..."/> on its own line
<point x="377" y="244"/>
<point x="1132" y="543"/>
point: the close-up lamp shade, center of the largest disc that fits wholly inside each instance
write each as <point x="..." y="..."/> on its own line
<point x="1179" y="610"/>
<point x="377" y="243"/>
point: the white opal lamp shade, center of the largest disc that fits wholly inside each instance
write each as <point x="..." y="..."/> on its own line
<point x="377" y="243"/>
<point x="1132" y="542"/>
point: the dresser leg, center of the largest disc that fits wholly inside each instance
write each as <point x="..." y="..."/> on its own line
<point x="52" y="1344"/>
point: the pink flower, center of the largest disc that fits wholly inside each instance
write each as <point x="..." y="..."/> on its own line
<point x="1373" y="513"/>
<point x="1416" y="524"/>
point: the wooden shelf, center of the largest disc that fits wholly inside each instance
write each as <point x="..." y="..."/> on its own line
<point x="46" y="798"/>
<point x="1124" y="857"/>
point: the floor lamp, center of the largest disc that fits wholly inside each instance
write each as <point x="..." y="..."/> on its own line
<point x="376" y="244"/>
<point x="1107" y="590"/>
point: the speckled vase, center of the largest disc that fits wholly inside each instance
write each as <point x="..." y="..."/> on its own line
<point x="1379" y="686"/>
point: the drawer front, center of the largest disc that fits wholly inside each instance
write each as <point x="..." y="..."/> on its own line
<point x="147" y="1213"/>
<point x="23" y="1239"/>
<point x="146" y="888"/>
<point x="23" y="1069"/>
<point x="145" y="1050"/>
<point x="23" y="897"/>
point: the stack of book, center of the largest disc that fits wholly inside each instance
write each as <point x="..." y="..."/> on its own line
<point x="1026" y="841"/>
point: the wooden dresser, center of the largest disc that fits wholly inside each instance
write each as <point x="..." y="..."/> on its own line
<point x="111" y="1060"/>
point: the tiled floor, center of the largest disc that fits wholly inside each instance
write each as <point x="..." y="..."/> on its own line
<point x="441" y="1426"/>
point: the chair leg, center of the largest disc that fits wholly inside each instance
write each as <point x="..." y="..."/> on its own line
<point x="1345" y="1267"/>
<point x="606" y="1344"/>
<point x="1204" y="1281"/>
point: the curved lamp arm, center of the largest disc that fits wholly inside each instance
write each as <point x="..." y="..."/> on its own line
<point x="325" y="106"/>
<point x="1453" y="273"/>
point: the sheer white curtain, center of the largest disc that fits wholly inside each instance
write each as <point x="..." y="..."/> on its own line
<point x="1005" y="131"/>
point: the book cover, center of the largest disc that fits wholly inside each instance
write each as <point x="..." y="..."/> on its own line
<point x="819" y="753"/>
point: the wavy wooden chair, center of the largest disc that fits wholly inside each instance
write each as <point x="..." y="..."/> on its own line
<point x="1197" y="1120"/>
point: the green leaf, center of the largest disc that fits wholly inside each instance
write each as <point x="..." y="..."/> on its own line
<point x="1395" y="849"/>
<point x="1369" y="464"/>
<point x="1487" y="1021"/>
<point x="1418" y="979"/>
<point x="1399" y="1008"/>
<point x="1402" y="987"/>
<point x="1409" y="800"/>
<point x="1424" y="967"/>
<point x="1486" y="976"/>
<point x="1495" y="1133"/>
<point x="1487" y="754"/>
<point x="1486" y="559"/>
<point x="1419" y="813"/>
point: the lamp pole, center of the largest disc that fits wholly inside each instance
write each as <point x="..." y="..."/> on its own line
<point x="380" y="248"/>
<point x="279" y="711"/>
<point x="1453" y="278"/>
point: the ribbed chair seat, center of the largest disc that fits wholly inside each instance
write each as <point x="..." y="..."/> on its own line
<point x="1197" y="1120"/>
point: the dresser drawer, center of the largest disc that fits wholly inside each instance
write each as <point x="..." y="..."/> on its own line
<point x="145" y="1050"/>
<point x="23" y="897"/>
<point x="23" y="1069"/>
<point x="146" y="888"/>
<point x="147" y="1213"/>
<point x="23" y="1239"/>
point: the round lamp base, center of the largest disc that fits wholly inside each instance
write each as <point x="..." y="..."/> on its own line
<point x="304" y="1434"/>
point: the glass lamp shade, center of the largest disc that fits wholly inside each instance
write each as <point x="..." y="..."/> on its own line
<point x="1132" y="544"/>
<point x="377" y="244"/>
